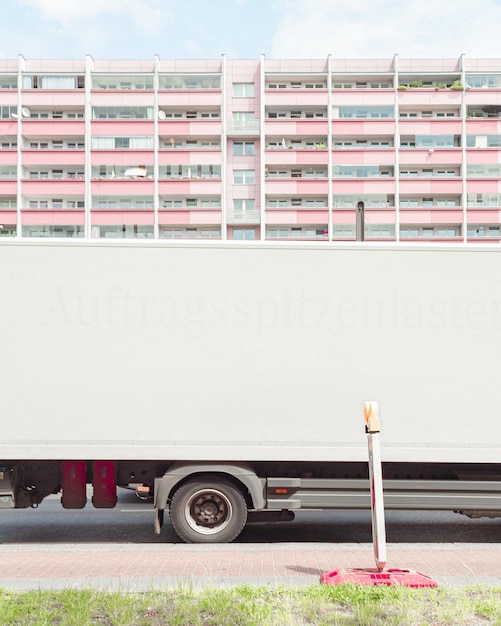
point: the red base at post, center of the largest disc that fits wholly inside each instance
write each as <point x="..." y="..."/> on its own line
<point x="389" y="577"/>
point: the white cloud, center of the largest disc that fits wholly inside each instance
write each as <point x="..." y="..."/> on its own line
<point x="382" y="28"/>
<point x="147" y="14"/>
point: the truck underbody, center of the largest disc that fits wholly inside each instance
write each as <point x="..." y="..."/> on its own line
<point x="211" y="502"/>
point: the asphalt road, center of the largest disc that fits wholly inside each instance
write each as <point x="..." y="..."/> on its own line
<point x="132" y="522"/>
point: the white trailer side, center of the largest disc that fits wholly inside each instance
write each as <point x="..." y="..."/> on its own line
<point x="219" y="353"/>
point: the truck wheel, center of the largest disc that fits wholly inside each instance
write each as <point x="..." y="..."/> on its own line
<point x="208" y="510"/>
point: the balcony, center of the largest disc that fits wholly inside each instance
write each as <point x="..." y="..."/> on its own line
<point x="124" y="128"/>
<point x="190" y="186"/>
<point x="439" y="98"/>
<point x="53" y="128"/>
<point x="297" y="97"/>
<point x="118" y="217"/>
<point x="123" y="187"/>
<point x="53" y="187"/>
<point x="431" y="186"/>
<point x="435" y="215"/>
<point x="189" y="217"/>
<point x="483" y="185"/>
<point x="195" y="98"/>
<point x="60" y="217"/>
<point x="366" y="159"/>
<point x="484" y="215"/>
<point x="316" y="154"/>
<point x="243" y="216"/>
<point x="287" y="127"/>
<point x="74" y="98"/>
<point x="188" y="157"/>
<point x="48" y="158"/>
<point x="428" y="157"/>
<point x="8" y="157"/>
<point x="122" y="157"/>
<point x="373" y="215"/>
<point x="353" y="186"/>
<point x="363" y="127"/>
<point x="249" y="128"/>
<point x="482" y="156"/>
<point x="190" y="128"/>
<point x="8" y="127"/>
<point x="296" y="186"/>
<point x="426" y="126"/>
<point x="8" y="186"/>
<point x="291" y="216"/>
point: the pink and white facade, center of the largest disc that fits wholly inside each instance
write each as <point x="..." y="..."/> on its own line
<point x="251" y="149"/>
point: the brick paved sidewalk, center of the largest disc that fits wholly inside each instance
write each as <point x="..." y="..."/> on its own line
<point x="146" y="566"/>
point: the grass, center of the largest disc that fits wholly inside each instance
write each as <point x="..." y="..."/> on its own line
<point x="256" y="606"/>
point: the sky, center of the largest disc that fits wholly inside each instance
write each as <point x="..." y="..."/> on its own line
<point x="245" y="29"/>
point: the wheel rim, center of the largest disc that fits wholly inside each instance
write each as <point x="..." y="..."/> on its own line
<point x="208" y="511"/>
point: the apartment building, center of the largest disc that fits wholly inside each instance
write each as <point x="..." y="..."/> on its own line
<point x="325" y="150"/>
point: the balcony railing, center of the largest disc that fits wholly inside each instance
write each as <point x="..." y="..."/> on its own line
<point x="249" y="216"/>
<point x="244" y="129"/>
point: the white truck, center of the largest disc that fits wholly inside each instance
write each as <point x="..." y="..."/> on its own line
<point x="227" y="380"/>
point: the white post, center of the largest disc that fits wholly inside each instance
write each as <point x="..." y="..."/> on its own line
<point x="371" y="416"/>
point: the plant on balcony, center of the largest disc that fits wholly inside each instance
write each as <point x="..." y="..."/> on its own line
<point x="440" y="86"/>
<point x="402" y="87"/>
<point x="416" y="84"/>
<point x="457" y="85"/>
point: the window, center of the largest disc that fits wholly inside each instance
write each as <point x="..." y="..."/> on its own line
<point x="52" y="82"/>
<point x="243" y="148"/>
<point x="121" y="81"/>
<point x="277" y="203"/>
<point x="409" y="232"/>
<point x="243" y="90"/>
<point x="479" y="81"/>
<point x="365" y="111"/>
<point x="8" y="171"/>
<point x="243" y="119"/>
<point x="122" y="142"/>
<point x="243" y="177"/>
<point x="342" y="231"/>
<point x="278" y="232"/>
<point x="8" y="81"/>
<point x="8" y="110"/>
<point x="189" y="81"/>
<point x="244" y="233"/>
<point x="210" y="203"/>
<point x="244" y="204"/>
<point x="122" y="112"/>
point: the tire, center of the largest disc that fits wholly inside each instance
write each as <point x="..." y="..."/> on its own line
<point x="208" y="509"/>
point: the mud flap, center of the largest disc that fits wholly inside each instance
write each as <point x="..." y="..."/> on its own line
<point x="159" y="520"/>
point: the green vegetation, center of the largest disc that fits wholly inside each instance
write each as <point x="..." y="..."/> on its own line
<point x="260" y="606"/>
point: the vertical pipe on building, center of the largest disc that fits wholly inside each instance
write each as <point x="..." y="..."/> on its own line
<point x="396" y="147"/>
<point x="156" y="200"/>
<point x="224" y="152"/>
<point x="19" y="197"/>
<point x="262" y="140"/>
<point x="464" y="194"/>
<point x="89" y="66"/>
<point x="330" y="228"/>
